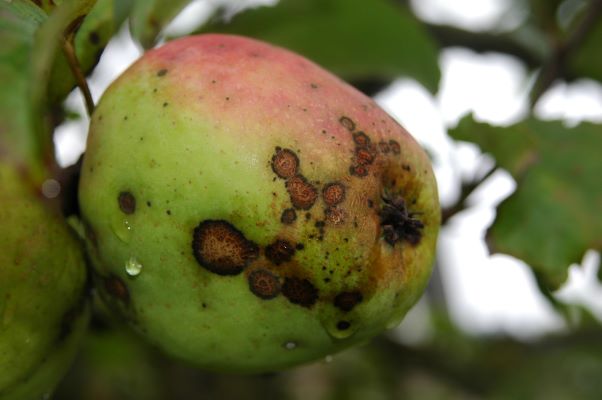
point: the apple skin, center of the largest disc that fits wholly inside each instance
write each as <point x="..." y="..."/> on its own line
<point x="269" y="213"/>
<point x="43" y="296"/>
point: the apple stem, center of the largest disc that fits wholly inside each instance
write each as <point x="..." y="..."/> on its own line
<point x="74" y="65"/>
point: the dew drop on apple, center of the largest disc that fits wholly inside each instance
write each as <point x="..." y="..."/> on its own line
<point x="133" y="267"/>
<point x="340" y="329"/>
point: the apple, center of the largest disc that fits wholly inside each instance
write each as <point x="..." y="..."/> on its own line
<point x="248" y="211"/>
<point x="43" y="293"/>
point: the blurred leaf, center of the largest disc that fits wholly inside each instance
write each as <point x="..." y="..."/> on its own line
<point x="587" y="59"/>
<point x="19" y="21"/>
<point x="561" y="371"/>
<point x="554" y="215"/>
<point x="47" y="45"/>
<point x="544" y="14"/>
<point x="98" y="27"/>
<point x="149" y="17"/>
<point x="355" y="39"/>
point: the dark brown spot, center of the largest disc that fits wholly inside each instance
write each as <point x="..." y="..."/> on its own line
<point x="162" y="72"/>
<point x="94" y="38"/>
<point x="406" y="167"/>
<point x="343" y="325"/>
<point x="127" y="202"/>
<point x="303" y="194"/>
<point x="334" y="215"/>
<point x="358" y="170"/>
<point x="364" y="156"/>
<point x="361" y="139"/>
<point x="221" y="248"/>
<point x="333" y="193"/>
<point x="285" y="163"/>
<point x="395" y="148"/>
<point x="264" y="284"/>
<point x="314" y="86"/>
<point x="384" y="147"/>
<point x="288" y="216"/>
<point x="347" y="123"/>
<point x="280" y="252"/>
<point x="165" y="104"/>
<point x="117" y="288"/>
<point x="300" y="291"/>
<point x="346" y="301"/>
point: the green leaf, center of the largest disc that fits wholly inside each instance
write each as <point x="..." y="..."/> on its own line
<point x="98" y="27"/>
<point x="355" y="39"/>
<point x="149" y="17"/>
<point x="19" y="21"/>
<point x="553" y="217"/>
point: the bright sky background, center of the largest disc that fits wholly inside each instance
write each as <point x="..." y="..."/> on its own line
<point x="485" y="294"/>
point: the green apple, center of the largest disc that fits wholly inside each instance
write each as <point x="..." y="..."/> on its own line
<point x="248" y="211"/>
<point x="43" y="304"/>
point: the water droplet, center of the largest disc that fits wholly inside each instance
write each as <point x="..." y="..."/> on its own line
<point x="122" y="229"/>
<point x="133" y="267"/>
<point x="290" y="345"/>
<point x="340" y="329"/>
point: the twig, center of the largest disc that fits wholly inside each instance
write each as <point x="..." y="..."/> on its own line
<point x="467" y="189"/>
<point x="483" y="42"/>
<point x="555" y="65"/>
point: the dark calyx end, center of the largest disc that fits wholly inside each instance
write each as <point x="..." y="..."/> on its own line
<point x="300" y="291"/>
<point x="221" y="248"/>
<point x="397" y="223"/>
<point x="280" y="252"/>
<point x="346" y="301"/>
<point x="285" y="163"/>
<point x="302" y="193"/>
<point x="127" y="202"/>
<point x="264" y="284"/>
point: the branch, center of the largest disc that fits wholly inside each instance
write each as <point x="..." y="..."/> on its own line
<point x="555" y="66"/>
<point x="483" y="42"/>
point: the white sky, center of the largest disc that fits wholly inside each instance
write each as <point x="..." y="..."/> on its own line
<point x="485" y="294"/>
